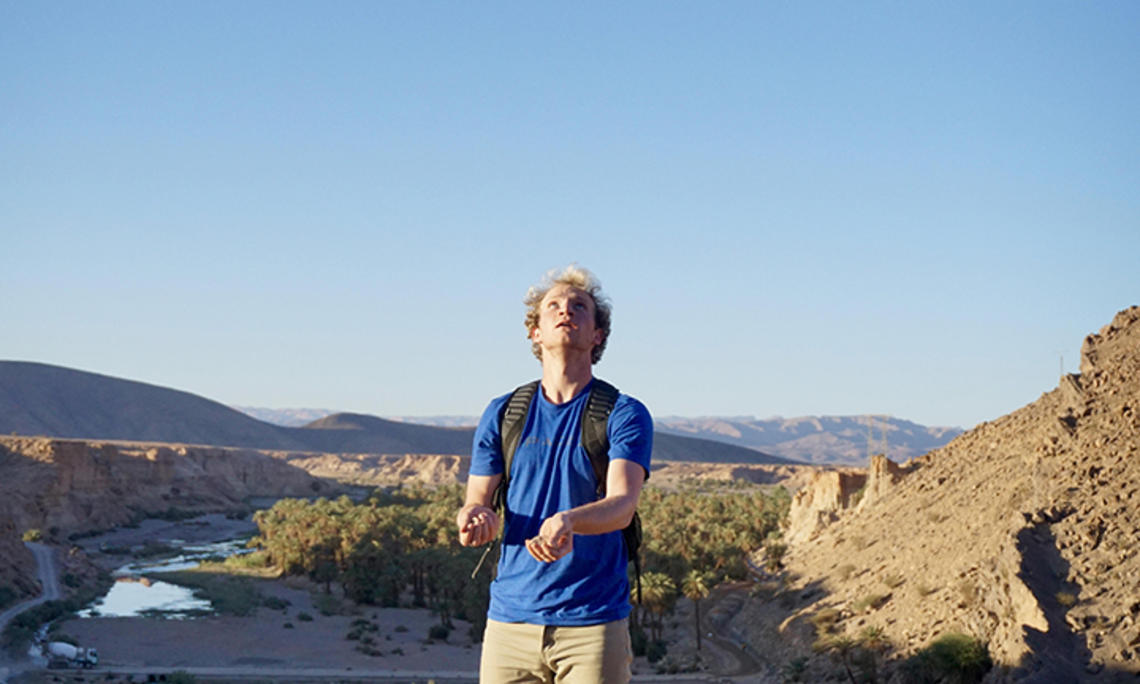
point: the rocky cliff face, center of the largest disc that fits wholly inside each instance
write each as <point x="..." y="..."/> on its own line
<point x="820" y="502"/>
<point x="77" y="486"/>
<point x="65" y="486"/>
<point x="1022" y="531"/>
<point x="383" y="469"/>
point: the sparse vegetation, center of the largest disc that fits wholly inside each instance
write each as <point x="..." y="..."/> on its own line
<point x="774" y="555"/>
<point x="894" y="580"/>
<point x="33" y="535"/>
<point x="228" y="594"/>
<point x="872" y="601"/>
<point x="841" y="648"/>
<point x="1067" y="599"/>
<point x="304" y="617"/>
<point x="953" y="657"/>
<point x="825" y="619"/>
<point x="925" y="589"/>
<point x="845" y="571"/>
<point x="968" y="591"/>
<point x="327" y="604"/>
<point x="795" y="669"/>
<point x="257" y="560"/>
<point x="936" y="517"/>
<point x="859" y="657"/>
<point x="7" y="596"/>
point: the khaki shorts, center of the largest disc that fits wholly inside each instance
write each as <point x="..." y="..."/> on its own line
<point x="515" y="652"/>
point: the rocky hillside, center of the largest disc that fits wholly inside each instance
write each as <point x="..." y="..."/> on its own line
<point x="837" y="440"/>
<point x="39" y="399"/>
<point x="1022" y="532"/>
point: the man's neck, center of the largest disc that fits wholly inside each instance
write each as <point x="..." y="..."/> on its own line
<point x="563" y="379"/>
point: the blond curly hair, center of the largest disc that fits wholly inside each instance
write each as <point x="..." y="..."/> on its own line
<point x="574" y="276"/>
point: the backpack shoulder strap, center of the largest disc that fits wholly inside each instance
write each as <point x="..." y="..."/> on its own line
<point x="599" y="406"/>
<point x="511" y="424"/>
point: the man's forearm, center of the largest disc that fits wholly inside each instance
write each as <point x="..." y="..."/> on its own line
<point x="606" y="515"/>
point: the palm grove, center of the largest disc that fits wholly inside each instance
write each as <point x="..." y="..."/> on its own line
<point x="401" y="546"/>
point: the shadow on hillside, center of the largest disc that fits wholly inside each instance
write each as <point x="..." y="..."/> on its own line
<point x="1057" y="654"/>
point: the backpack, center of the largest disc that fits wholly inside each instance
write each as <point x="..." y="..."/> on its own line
<point x="599" y="405"/>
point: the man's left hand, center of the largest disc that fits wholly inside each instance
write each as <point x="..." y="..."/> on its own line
<point x="555" y="539"/>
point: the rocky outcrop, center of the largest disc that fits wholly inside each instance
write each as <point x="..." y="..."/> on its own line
<point x="829" y="493"/>
<point x="882" y="476"/>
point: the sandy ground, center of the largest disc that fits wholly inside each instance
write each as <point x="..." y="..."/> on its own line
<point x="265" y="639"/>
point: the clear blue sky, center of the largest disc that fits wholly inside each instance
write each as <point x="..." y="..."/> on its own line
<point x="797" y="208"/>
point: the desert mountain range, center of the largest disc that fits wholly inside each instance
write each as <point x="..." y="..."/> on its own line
<point x="837" y="440"/>
<point x="52" y="401"/>
<point x="1022" y="532"/>
<point x="834" y="440"/>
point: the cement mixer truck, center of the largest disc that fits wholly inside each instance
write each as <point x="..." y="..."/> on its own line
<point x="62" y="654"/>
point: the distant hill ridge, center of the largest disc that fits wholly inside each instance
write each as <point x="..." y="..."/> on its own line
<point x="41" y="399"/>
<point x="832" y="440"/>
<point x="840" y="440"/>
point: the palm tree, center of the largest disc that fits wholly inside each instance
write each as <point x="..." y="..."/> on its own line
<point x="696" y="587"/>
<point x="657" y="595"/>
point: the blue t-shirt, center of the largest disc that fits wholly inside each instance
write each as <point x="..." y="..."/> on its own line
<point x="551" y="472"/>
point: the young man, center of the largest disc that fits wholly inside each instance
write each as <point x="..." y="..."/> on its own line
<point x="560" y="600"/>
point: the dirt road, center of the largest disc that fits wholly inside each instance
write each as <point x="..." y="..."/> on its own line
<point x="49" y="580"/>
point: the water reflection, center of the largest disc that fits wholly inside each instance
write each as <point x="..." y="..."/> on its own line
<point x="135" y="596"/>
<point x="191" y="555"/>
<point x="136" y="593"/>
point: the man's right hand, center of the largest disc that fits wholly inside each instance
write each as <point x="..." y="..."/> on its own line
<point x="478" y="525"/>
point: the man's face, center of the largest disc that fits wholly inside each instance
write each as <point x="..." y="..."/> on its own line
<point x="566" y="320"/>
